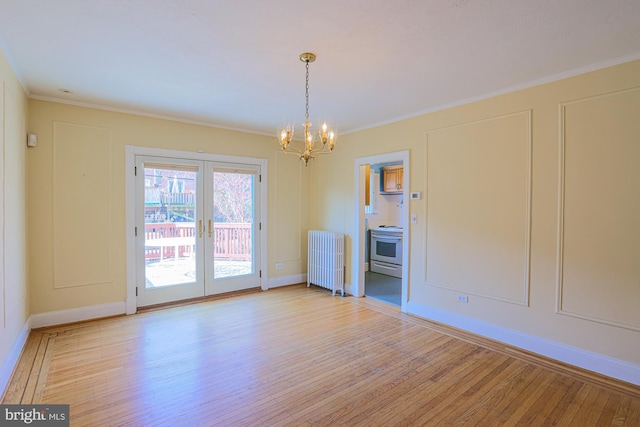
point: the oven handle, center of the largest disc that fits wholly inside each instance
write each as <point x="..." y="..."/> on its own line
<point x="386" y="237"/>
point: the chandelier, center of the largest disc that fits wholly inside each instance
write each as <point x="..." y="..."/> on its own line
<point x="327" y="137"/>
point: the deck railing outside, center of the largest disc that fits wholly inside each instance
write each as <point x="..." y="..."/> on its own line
<point x="230" y="240"/>
<point x="157" y="196"/>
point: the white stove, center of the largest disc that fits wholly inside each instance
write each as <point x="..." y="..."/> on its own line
<point x="386" y="250"/>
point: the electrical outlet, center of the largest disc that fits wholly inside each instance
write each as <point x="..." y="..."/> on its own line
<point x="463" y="298"/>
<point x="279" y="266"/>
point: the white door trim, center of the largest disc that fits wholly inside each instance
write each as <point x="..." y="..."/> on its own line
<point x="357" y="287"/>
<point x="130" y="193"/>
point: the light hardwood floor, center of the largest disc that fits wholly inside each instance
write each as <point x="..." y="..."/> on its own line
<point x="297" y="356"/>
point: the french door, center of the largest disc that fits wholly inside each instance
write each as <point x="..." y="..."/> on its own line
<point x="198" y="228"/>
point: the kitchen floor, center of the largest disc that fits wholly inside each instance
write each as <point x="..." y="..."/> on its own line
<point x="383" y="287"/>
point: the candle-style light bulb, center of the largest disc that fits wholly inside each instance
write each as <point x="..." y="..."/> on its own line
<point x="286" y="135"/>
<point x="323" y="133"/>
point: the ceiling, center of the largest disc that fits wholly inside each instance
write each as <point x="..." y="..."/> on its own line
<point x="234" y="64"/>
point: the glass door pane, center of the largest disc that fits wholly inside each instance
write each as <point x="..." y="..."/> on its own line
<point x="232" y="223"/>
<point x="171" y="224"/>
<point x="233" y="227"/>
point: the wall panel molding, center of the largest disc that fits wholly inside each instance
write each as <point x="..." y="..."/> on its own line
<point x="287" y="221"/>
<point x="598" y="258"/>
<point x="478" y="199"/>
<point x="82" y="232"/>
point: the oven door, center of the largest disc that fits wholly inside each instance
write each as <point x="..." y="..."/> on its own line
<point x="386" y="248"/>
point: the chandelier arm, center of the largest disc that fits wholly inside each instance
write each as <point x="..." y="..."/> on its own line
<point x="321" y="151"/>
<point x="291" y="150"/>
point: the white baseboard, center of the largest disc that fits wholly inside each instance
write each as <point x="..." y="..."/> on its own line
<point x="349" y="290"/>
<point x="594" y="362"/>
<point x="52" y="318"/>
<point x="8" y="366"/>
<point x="287" y="280"/>
<point x="294" y="280"/>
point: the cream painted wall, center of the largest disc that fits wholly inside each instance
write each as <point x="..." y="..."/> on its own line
<point x="14" y="290"/>
<point x="489" y="222"/>
<point x="92" y="143"/>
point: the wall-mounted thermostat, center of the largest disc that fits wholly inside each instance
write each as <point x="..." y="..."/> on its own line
<point x="416" y="196"/>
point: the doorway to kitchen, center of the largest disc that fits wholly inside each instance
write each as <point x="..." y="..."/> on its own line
<point x="380" y="257"/>
<point x="383" y="277"/>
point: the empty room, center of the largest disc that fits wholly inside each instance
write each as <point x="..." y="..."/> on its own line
<point x="320" y="213"/>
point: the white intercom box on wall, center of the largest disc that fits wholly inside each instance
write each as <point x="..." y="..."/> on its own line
<point x="32" y="140"/>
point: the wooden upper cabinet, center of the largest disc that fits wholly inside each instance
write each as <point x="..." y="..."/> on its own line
<point x="392" y="179"/>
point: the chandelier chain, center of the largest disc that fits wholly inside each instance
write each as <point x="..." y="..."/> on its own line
<point x="307" y="92"/>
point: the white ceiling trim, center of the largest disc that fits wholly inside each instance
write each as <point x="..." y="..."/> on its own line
<point x="549" y="79"/>
<point x="147" y="114"/>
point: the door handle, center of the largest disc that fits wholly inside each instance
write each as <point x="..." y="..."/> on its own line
<point x="387" y="239"/>
<point x="200" y="227"/>
<point x="210" y="229"/>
